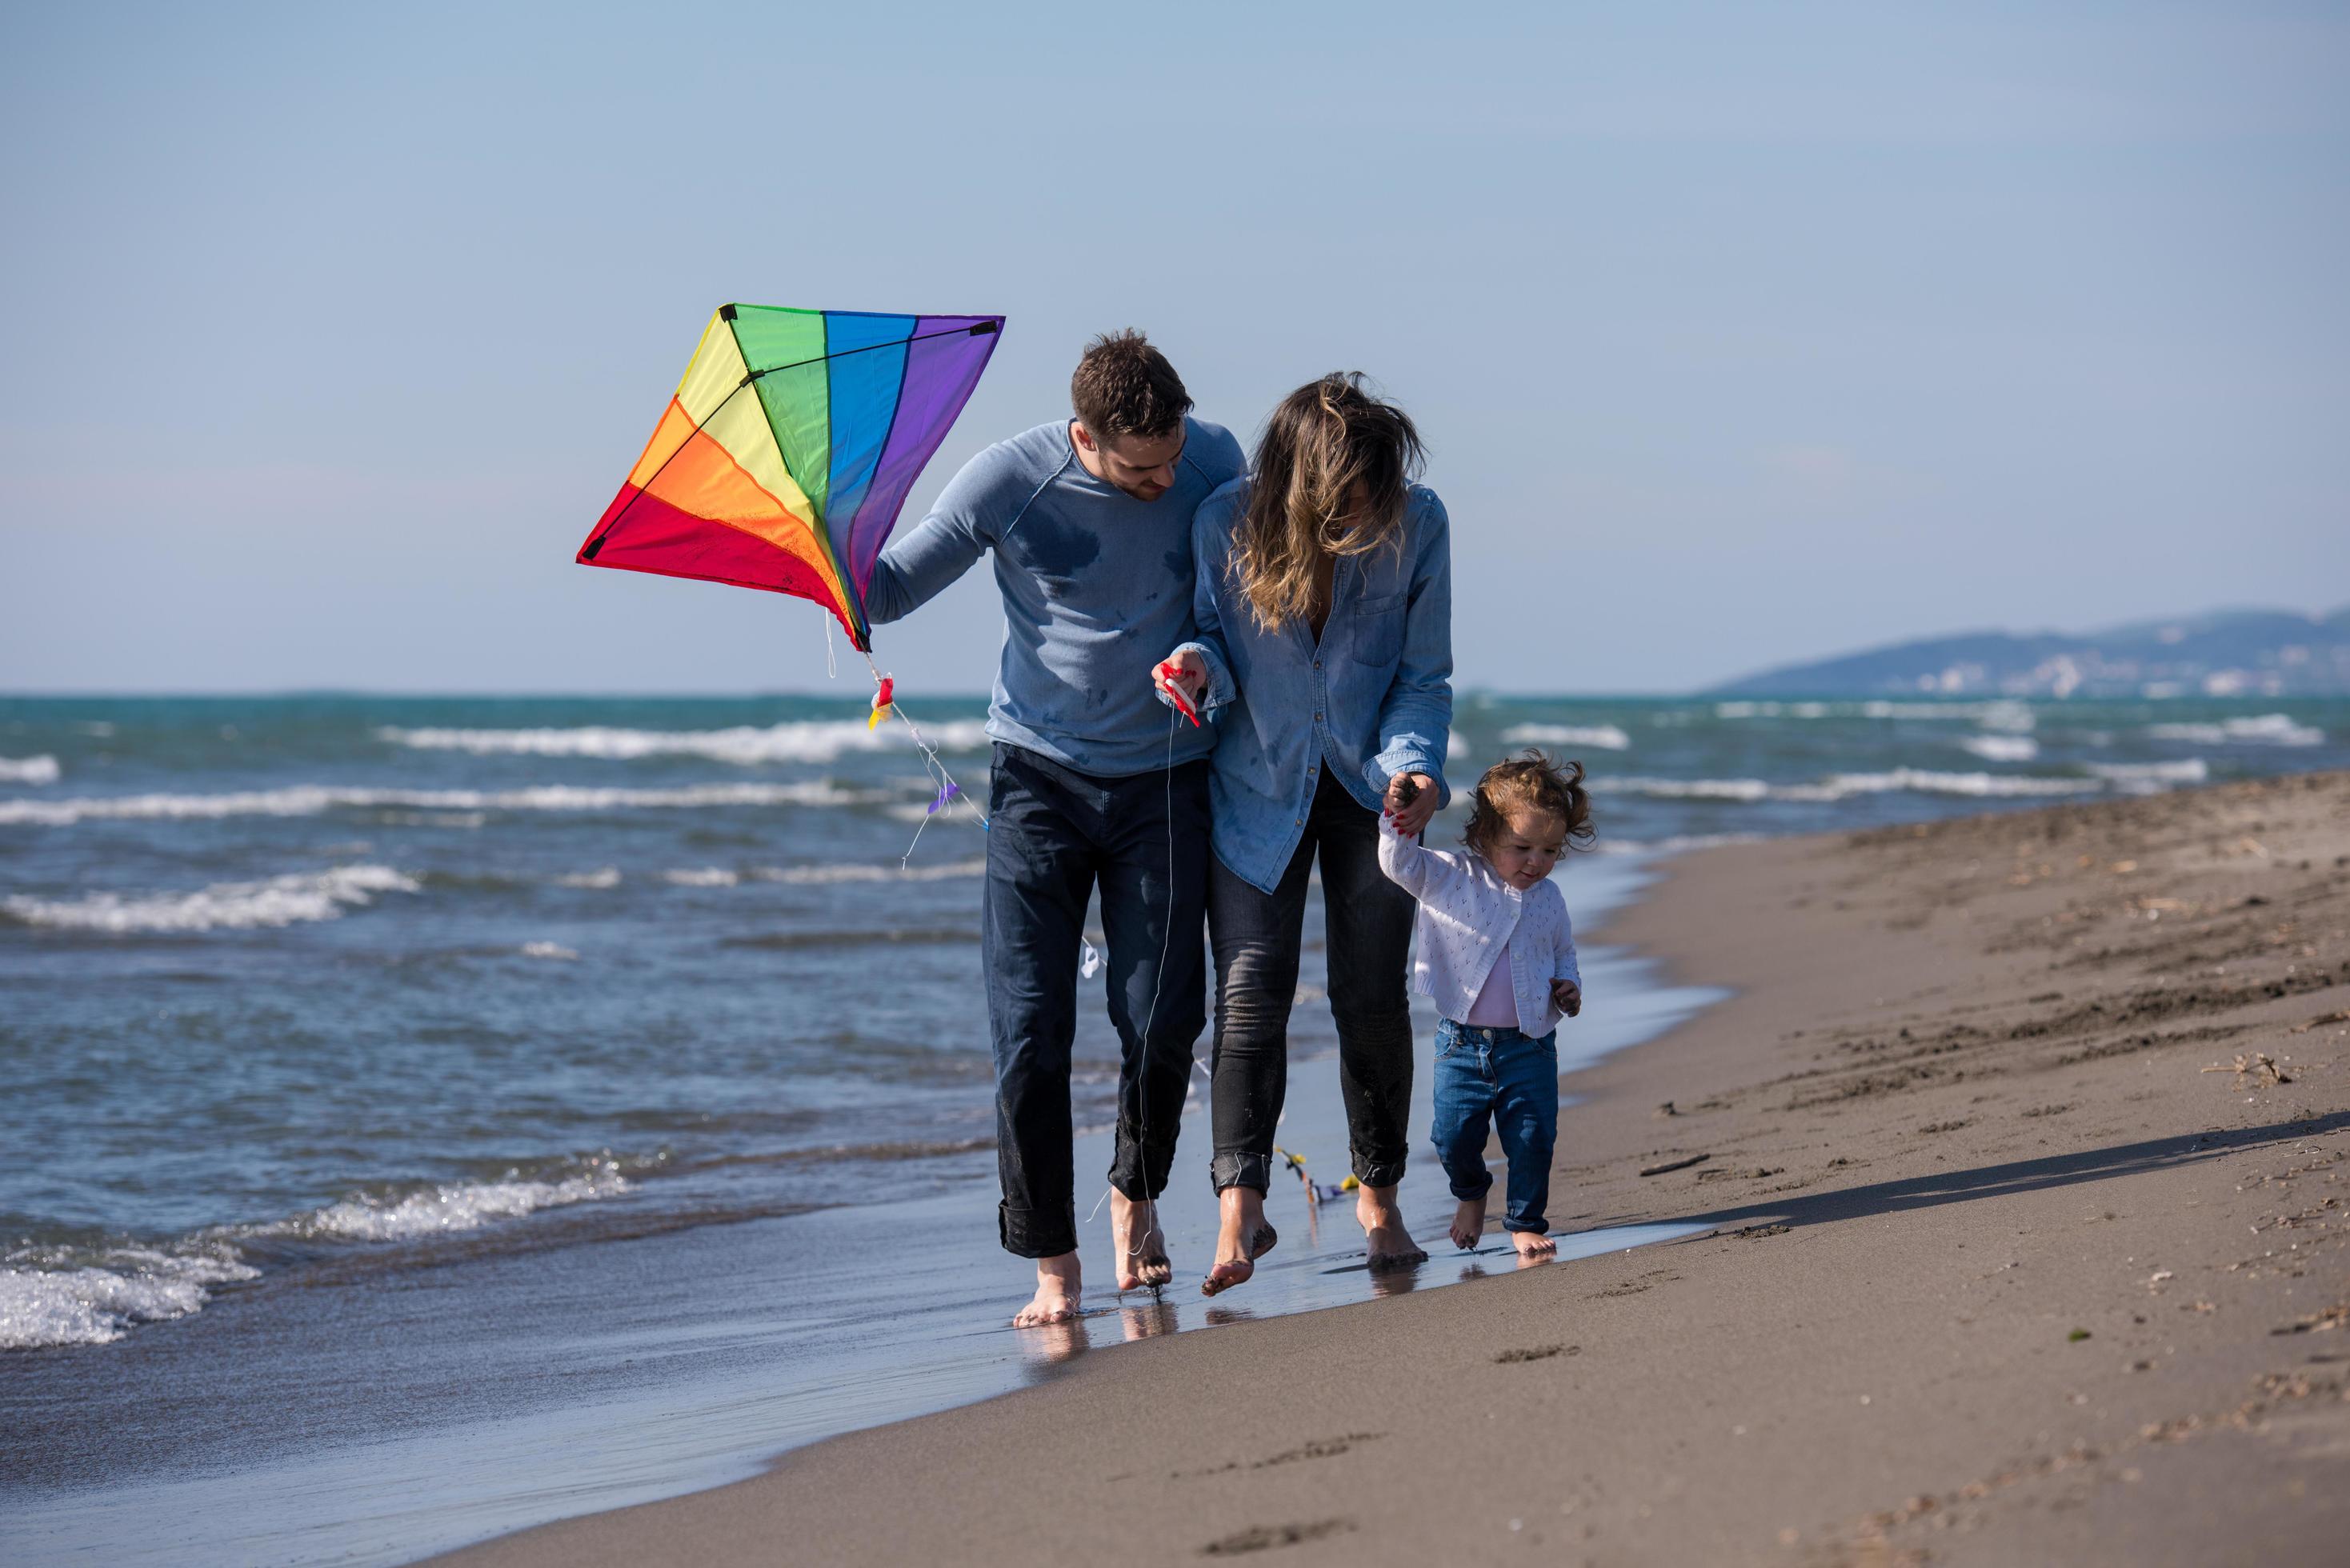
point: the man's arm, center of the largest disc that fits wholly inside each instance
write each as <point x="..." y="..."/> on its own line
<point x="1416" y="717"/>
<point x="976" y="504"/>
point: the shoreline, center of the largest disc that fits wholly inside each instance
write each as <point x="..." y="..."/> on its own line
<point x="1971" y="1278"/>
<point x="696" y="1354"/>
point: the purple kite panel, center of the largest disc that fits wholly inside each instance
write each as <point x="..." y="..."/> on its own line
<point x="943" y="366"/>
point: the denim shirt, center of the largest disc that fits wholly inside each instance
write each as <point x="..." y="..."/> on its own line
<point x="1373" y="698"/>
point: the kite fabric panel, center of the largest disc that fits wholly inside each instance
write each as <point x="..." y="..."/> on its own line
<point x="785" y="457"/>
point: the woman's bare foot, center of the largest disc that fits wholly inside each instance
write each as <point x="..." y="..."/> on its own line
<point x="1059" y="1283"/>
<point x="1141" y="1245"/>
<point x="1469" y="1223"/>
<point x="1391" y="1245"/>
<point x="1533" y="1249"/>
<point x="1241" y="1237"/>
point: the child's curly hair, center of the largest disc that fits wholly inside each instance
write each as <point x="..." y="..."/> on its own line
<point x="1531" y="781"/>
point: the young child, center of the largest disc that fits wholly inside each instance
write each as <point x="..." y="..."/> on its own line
<point x="1493" y="945"/>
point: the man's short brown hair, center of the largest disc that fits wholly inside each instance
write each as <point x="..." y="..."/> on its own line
<point x="1124" y="387"/>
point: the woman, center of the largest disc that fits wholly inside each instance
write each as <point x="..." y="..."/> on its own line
<point x="1325" y="600"/>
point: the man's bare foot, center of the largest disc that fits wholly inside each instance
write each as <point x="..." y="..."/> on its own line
<point x="1241" y="1237"/>
<point x="1391" y="1245"/>
<point x="1059" y="1283"/>
<point x="1141" y="1245"/>
<point x="1533" y="1249"/>
<point x="1469" y="1223"/>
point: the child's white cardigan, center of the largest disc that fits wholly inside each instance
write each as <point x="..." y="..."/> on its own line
<point x="1467" y="915"/>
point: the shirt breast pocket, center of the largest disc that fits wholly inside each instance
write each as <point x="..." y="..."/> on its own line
<point x="1379" y="629"/>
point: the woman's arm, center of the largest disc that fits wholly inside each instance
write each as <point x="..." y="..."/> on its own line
<point x="1416" y="716"/>
<point x="1204" y="658"/>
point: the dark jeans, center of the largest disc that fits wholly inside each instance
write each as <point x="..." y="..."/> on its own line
<point x="1053" y="834"/>
<point x="1256" y="937"/>
<point x="1498" y="1077"/>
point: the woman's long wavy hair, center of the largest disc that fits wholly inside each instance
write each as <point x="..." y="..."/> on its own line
<point x="1326" y="439"/>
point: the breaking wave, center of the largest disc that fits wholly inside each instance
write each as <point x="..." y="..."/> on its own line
<point x="310" y="800"/>
<point x="62" y="1296"/>
<point x="446" y="1208"/>
<point x="807" y="742"/>
<point x="2147" y="777"/>
<point x="40" y="769"/>
<point x="1606" y="737"/>
<point x="1995" y="715"/>
<point x="2268" y="729"/>
<point x="1843" y="786"/>
<point x="224" y="906"/>
<point x="2001" y="748"/>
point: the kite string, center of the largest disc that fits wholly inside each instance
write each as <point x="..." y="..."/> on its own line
<point x="948" y="790"/>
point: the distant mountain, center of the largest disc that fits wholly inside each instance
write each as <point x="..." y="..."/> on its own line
<point x="2228" y="653"/>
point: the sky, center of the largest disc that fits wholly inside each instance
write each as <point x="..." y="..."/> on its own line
<point x="1740" y="334"/>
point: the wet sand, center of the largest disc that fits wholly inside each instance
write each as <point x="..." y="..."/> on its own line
<point x="1994" y="1269"/>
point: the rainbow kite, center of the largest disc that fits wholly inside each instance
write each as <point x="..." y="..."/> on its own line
<point x="786" y="453"/>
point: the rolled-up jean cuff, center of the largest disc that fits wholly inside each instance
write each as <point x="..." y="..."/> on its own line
<point x="1035" y="1232"/>
<point x="1539" y="1227"/>
<point x="1474" y="1191"/>
<point x="1378" y="1173"/>
<point x="1252" y="1170"/>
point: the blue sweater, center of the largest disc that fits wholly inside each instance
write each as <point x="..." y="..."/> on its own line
<point x="1096" y="588"/>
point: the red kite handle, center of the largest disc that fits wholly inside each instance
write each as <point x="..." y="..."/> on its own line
<point x="1182" y="703"/>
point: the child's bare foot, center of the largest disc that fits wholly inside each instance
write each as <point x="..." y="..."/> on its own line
<point x="1391" y="1245"/>
<point x="1533" y="1249"/>
<point x="1059" y="1283"/>
<point x="1141" y="1245"/>
<point x="1469" y="1223"/>
<point x="1241" y="1237"/>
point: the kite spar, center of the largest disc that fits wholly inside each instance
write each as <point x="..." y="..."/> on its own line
<point x="786" y="455"/>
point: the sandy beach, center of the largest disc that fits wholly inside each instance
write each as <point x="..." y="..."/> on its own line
<point x="1997" y="1267"/>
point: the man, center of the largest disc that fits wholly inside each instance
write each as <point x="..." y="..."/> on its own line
<point x="1090" y="522"/>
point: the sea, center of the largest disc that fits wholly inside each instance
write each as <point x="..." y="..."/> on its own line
<point x="429" y="1116"/>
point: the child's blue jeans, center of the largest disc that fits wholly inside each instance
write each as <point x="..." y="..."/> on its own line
<point x="1498" y="1077"/>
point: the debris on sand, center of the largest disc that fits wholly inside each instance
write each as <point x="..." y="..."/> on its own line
<point x="1675" y="1165"/>
<point x="2252" y="1065"/>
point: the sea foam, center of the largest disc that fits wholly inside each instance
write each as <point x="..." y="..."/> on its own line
<point x="810" y="741"/>
<point x="224" y="906"/>
<point x="446" y="1208"/>
<point x="107" y="1296"/>
<point x="310" y="800"/>
<point x="40" y="769"/>
<point x="1606" y="737"/>
<point x="79" y="1295"/>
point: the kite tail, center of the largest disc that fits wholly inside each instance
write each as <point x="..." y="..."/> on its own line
<point x="885" y="705"/>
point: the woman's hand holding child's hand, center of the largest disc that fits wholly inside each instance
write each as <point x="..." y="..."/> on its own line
<point x="1566" y="996"/>
<point x="1410" y="803"/>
